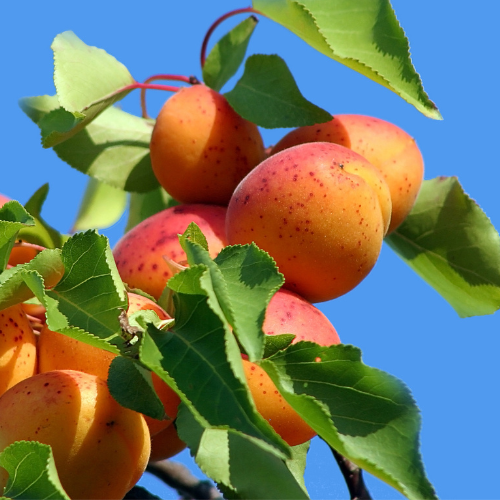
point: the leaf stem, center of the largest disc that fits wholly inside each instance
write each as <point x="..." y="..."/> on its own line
<point x="353" y="477"/>
<point x="192" y="80"/>
<point x="219" y="21"/>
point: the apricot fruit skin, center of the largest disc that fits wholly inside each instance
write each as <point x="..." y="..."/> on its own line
<point x="274" y="408"/>
<point x="18" y="356"/>
<point x="166" y="444"/>
<point x="139" y="254"/>
<point x="57" y="351"/>
<point x="388" y="147"/>
<point x="201" y="148"/>
<point x="320" y="210"/>
<point x="100" y="448"/>
<point x="288" y="312"/>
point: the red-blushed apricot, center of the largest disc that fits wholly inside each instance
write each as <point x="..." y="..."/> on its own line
<point x="18" y="358"/>
<point x="288" y="312"/>
<point x="274" y="408"/>
<point x="320" y="210"/>
<point x="100" y="448"/>
<point x="57" y="351"/>
<point x="389" y="148"/>
<point x="166" y="444"/>
<point x="201" y="148"/>
<point x="3" y="199"/>
<point x="140" y="253"/>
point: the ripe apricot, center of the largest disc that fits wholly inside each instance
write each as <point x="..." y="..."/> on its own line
<point x="274" y="408"/>
<point x="389" y="148"/>
<point x="288" y="312"/>
<point x="166" y="444"/>
<point x="100" y="448"/>
<point x="201" y="148"/>
<point x="140" y="253"/>
<point x="320" y="210"/>
<point x="57" y="351"/>
<point x="18" y="359"/>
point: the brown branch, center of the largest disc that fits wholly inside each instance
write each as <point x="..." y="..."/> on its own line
<point x="177" y="476"/>
<point x="353" y="477"/>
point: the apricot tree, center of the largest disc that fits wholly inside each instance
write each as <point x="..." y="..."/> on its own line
<point x="217" y="290"/>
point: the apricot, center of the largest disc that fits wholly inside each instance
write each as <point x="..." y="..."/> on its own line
<point x="389" y="148"/>
<point x="140" y="253"/>
<point x="288" y="312"/>
<point x="201" y="148"/>
<point x="166" y="444"/>
<point x="274" y="408"/>
<point x="57" y="351"/>
<point x="320" y="210"/>
<point x="100" y="448"/>
<point x="18" y="358"/>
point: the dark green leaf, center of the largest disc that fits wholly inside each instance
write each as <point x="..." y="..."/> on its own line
<point x="131" y="385"/>
<point x="32" y="472"/>
<point x="102" y="205"/>
<point x="242" y="466"/>
<point x="364" y="35"/>
<point x="275" y="343"/>
<point x="267" y="95"/>
<point x="449" y="241"/>
<point x="365" y="414"/>
<point x="114" y="149"/>
<point x="227" y="55"/>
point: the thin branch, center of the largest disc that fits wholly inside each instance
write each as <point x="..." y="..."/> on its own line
<point x="353" y="476"/>
<point x="177" y="476"/>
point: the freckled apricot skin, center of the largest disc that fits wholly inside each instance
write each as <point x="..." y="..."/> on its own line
<point x="288" y="312"/>
<point x="320" y="210"/>
<point x="166" y="444"/>
<point x="274" y="408"/>
<point x="139" y="254"/>
<point x="18" y="357"/>
<point x="100" y="448"/>
<point x="57" y="351"/>
<point x="389" y="148"/>
<point x="201" y="148"/>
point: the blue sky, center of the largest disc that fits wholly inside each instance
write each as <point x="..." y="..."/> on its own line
<point x="401" y="324"/>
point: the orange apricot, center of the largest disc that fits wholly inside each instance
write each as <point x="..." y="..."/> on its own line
<point x="288" y="312"/>
<point x="140" y="253"/>
<point x="100" y="448"/>
<point x="57" y="351"/>
<point x="18" y="358"/>
<point x="389" y="148"/>
<point x="320" y="210"/>
<point x="166" y="444"/>
<point x="274" y="408"/>
<point x="201" y="148"/>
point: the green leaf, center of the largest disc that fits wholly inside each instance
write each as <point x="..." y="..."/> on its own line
<point x="42" y="233"/>
<point x="367" y="415"/>
<point x="37" y="107"/>
<point x="199" y="358"/>
<point x="297" y="464"/>
<point x="194" y="234"/>
<point x="13" y="217"/>
<point x="114" y="149"/>
<point x="267" y="95"/>
<point x="275" y="343"/>
<point x="364" y="35"/>
<point x="87" y="80"/>
<point x="102" y="205"/>
<point x="32" y="472"/>
<point x="227" y="55"/>
<point x="242" y="466"/>
<point x="143" y="205"/>
<point x="91" y="293"/>
<point x="131" y="385"/>
<point x="449" y="241"/>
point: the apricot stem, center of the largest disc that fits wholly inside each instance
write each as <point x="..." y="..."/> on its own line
<point x="192" y="80"/>
<point x="219" y="21"/>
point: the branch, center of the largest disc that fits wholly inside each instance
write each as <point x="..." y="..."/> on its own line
<point x="177" y="476"/>
<point x="353" y="477"/>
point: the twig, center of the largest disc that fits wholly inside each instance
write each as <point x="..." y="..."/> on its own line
<point x="353" y="477"/>
<point x="177" y="476"/>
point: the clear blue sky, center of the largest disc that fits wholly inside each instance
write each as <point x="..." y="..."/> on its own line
<point x="401" y="324"/>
